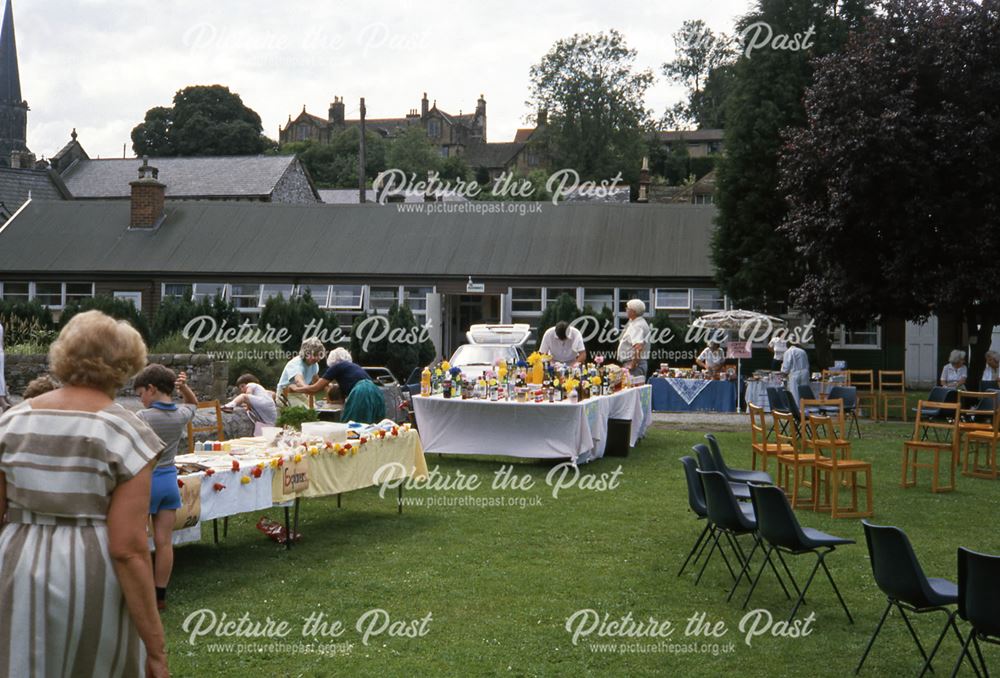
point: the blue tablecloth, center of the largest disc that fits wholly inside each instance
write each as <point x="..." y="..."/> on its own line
<point x="714" y="396"/>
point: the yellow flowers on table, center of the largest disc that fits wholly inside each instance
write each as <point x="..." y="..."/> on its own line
<point x="274" y="462"/>
<point x="534" y="358"/>
<point x="245" y="480"/>
<point x="297" y="458"/>
<point x="445" y="365"/>
<point x="595" y="380"/>
<point x="571" y="384"/>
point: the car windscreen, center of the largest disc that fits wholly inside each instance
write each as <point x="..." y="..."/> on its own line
<point x="481" y="355"/>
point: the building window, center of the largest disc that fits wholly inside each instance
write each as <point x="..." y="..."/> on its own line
<point x="135" y="298"/>
<point x="381" y="298"/>
<point x="707" y="300"/>
<point x="246" y="298"/>
<point x="79" y="291"/>
<point x="319" y="293"/>
<point x="176" y="290"/>
<point x="416" y="298"/>
<point x="526" y="300"/>
<point x="346" y="297"/>
<point x="673" y="299"/>
<point x="704" y="199"/>
<point x="626" y="295"/>
<point x="552" y="294"/>
<point x="15" y="291"/>
<point x="598" y="298"/>
<point x="532" y="158"/>
<point x="868" y="336"/>
<point x="49" y="294"/>
<point x="434" y="128"/>
<point x="302" y="132"/>
<point x="268" y="291"/>
<point x="209" y="291"/>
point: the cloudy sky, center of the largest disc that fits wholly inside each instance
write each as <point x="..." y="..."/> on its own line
<point x="98" y="65"/>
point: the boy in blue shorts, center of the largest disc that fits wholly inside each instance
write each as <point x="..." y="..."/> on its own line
<point x="155" y="386"/>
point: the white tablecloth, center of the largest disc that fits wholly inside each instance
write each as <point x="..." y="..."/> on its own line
<point x="576" y="431"/>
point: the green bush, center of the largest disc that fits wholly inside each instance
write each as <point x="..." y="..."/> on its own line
<point x="175" y="313"/>
<point x="294" y="315"/>
<point x="400" y="355"/>
<point x="296" y="416"/>
<point x="120" y="309"/>
<point x="264" y="361"/>
<point x="27" y="327"/>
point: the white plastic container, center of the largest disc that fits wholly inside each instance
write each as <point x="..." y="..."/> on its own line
<point x="329" y="431"/>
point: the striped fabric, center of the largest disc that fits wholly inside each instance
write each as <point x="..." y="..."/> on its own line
<point x="61" y="608"/>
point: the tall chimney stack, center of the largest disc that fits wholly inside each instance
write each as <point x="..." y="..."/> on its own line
<point x="147" y="198"/>
<point x="644" y="181"/>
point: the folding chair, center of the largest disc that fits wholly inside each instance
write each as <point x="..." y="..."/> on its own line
<point x="836" y="468"/>
<point x="977" y="410"/>
<point x="919" y="444"/>
<point x="978" y="602"/>
<point x="732" y="474"/>
<point x="793" y="465"/>
<point x="781" y="532"/>
<point x="832" y="378"/>
<point x="864" y="382"/>
<point x="217" y="427"/>
<point x="696" y="502"/>
<point x="938" y="394"/>
<point x="706" y="462"/>
<point x="974" y="444"/>
<point x="899" y="575"/>
<point x="849" y="395"/>
<point x="892" y="392"/>
<point x="759" y="445"/>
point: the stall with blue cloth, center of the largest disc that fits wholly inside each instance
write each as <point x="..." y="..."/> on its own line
<point x="693" y="395"/>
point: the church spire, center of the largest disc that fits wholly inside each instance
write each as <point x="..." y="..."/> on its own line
<point x="10" y="78"/>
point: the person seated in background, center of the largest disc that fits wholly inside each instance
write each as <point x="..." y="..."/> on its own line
<point x="301" y="370"/>
<point x="991" y="373"/>
<point x="363" y="399"/>
<point x="777" y="346"/>
<point x="257" y="400"/>
<point x="954" y="374"/>
<point x="38" y="386"/>
<point x="564" y="344"/>
<point x="155" y="386"/>
<point x="713" y="358"/>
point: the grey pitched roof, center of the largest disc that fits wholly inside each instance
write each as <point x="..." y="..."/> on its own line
<point x="199" y="238"/>
<point x="349" y="196"/>
<point x="491" y="154"/>
<point x="16" y="184"/>
<point x="252" y="176"/>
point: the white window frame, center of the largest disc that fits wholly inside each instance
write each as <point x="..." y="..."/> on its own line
<point x="3" y="291"/>
<point x="359" y="306"/>
<point x="255" y="308"/>
<point x="663" y="307"/>
<point x="725" y="300"/>
<point x="547" y="301"/>
<point x="65" y="293"/>
<point x="163" y="290"/>
<point x="195" y="293"/>
<point x="527" y="314"/>
<point x="262" y="300"/>
<point x="129" y="295"/>
<point x="398" y="295"/>
<point x="62" y="294"/>
<point x="403" y="296"/>
<point x="841" y="335"/>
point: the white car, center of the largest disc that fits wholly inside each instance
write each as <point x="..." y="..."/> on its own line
<point x="489" y="344"/>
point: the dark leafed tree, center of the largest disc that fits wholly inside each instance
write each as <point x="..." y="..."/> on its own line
<point x="756" y="265"/>
<point x="702" y="65"/>
<point x="204" y="120"/>
<point x="892" y="185"/>
<point x="594" y="98"/>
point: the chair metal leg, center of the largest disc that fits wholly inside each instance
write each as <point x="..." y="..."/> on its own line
<point x="979" y="653"/>
<point x="964" y="653"/>
<point x="791" y="577"/>
<point x="829" y="576"/>
<point x="744" y="570"/>
<point x="805" y="588"/>
<point x="715" y="545"/>
<point x="871" y="641"/>
<point x="961" y="641"/>
<point x="913" y="634"/>
<point x="694" y="548"/>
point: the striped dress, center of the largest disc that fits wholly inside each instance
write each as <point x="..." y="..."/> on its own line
<point x="62" y="612"/>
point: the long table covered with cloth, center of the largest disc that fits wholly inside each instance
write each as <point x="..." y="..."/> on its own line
<point x="693" y="395"/>
<point x="255" y="476"/>
<point x="563" y="430"/>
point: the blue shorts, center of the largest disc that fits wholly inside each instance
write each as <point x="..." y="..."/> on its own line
<point x="164" y="495"/>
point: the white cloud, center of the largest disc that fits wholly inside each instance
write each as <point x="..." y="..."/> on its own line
<point x="98" y="65"/>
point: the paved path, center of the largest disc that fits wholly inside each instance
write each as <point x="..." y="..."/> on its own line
<point x="702" y="421"/>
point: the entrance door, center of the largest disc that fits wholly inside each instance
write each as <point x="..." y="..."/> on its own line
<point x="464" y="311"/>
<point x="922" y="353"/>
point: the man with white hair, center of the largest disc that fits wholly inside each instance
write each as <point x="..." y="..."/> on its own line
<point x="795" y="366"/>
<point x="633" y="347"/>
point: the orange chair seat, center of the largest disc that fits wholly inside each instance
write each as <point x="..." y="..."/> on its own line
<point x="843" y="464"/>
<point x="983" y="436"/>
<point x="775" y="448"/>
<point x="800" y="459"/>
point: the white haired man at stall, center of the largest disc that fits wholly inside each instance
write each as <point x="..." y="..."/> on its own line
<point x="633" y="346"/>
<point x="795" y="367"/>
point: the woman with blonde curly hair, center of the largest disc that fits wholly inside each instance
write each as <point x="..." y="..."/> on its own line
<point x="75" y="471"/>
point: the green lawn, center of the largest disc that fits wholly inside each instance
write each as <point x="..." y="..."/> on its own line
<point x="500" y="582"/>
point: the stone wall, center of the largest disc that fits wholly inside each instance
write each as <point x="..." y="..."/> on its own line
<point x="293" y="187"/>
<point x="207" y="378"/>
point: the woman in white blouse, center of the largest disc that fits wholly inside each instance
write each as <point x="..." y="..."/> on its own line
<point x="955" y="372"/>
<point x="713" y="358"/>
<point x="992" y="370"/>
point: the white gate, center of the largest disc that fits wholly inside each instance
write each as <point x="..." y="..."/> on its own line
<point x="921" y="353"/>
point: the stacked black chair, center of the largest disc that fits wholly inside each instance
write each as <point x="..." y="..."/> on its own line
<point x="732" y="474"/>
<point x="696" y="502"/>
<point x="849" y="394"/>
<point x="978" y="602"/>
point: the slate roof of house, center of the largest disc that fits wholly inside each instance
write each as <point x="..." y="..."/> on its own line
<point x="491" y="154"/>
<point x="349" y="196"/>
<point x="17" y="184"/>
<point x="252" y="176"/>
<point x="200" y="238"/>
<point x="523" y="134"/>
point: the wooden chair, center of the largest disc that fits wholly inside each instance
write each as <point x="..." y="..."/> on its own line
<point x="759" y="444"/>
<point x="793" y="465"/>
<point x="833" y="407"/>
<point x="977" y="410"/>
<point x="219" y="429"/>
<point x="946" y="424"/>
<point x="831" y="378"/>
<point x="864" y="382"/>
<point x="974" y="441"/>
<point x="834" y="469"/>
<point x="285" y="392"/>
<point x="892" y="392"/>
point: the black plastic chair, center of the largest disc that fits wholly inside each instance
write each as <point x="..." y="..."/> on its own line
<point x="939" y="394"/>
<point x="776" y="403"/>
<point x="849" y="394"/>
<point x="792" y="407"/>
<point x="732" y="474"/>
<point x="781" y="531"/>
<point x="732" y="521"/>
<point x="706" y="462"/>
<point x="898" y="574"/>
<point x="978" y="602"/>
<point x="696" y="502"/>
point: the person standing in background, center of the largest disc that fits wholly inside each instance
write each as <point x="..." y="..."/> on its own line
<point x="4" y="403"/>
<point x="795" y="367"/>
<point x="777" y="346"/>
<point x="633" y="347"/>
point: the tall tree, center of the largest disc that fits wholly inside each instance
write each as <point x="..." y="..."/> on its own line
<point x="756" y="265"/>
<point x="702" y="65"/>
<point x="892" y="184"/>
<point x="204" y="120"/>
<point x="594" y="98"/>
<point x="413" y="153"/>
<point x="335" y="165"/>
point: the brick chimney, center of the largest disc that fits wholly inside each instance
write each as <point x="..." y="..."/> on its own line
<point x="147" y="198"/>
<point x="423" y="107"/>
<point x="644" y="181"/>
<point x="337" y="111"/>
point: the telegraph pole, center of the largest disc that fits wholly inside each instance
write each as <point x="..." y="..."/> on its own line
<point x="361" y="155"/>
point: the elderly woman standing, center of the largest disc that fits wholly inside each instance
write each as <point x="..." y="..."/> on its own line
<point x="633" y="347"/>
<point x="991" y="373"/>
<point x="954" y="374"/>
<point x="363" y="400"/>
<point x="301" y="370"/>
<point x="76" y="595"/>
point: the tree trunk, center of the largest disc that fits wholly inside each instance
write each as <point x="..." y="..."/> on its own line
<point x="824" y="351"/>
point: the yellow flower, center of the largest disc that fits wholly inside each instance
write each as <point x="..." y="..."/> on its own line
<point x="297" y="457"/>
<point x="438" y="372"/>
<point x="534" y="358"/>
<point x="274" y="462"/>
<point x="245" y="480"/>
<point x="445" y="365"/>
<point x="596" y="381"/>
<point x="313" y="450"/>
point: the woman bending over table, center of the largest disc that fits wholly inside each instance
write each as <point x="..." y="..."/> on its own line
<point x="363" y="399"/>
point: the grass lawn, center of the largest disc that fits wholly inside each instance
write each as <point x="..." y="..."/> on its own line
<point x="501" y="582"/>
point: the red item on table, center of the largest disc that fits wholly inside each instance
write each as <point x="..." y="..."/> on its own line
<point x="236" y="465"/>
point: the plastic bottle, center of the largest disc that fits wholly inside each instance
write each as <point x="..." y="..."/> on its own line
<point x="425" y="382"/>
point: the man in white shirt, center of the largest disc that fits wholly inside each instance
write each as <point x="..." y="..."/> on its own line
<point x="564" y="344"/>
<point x="713" y="358"/>
<point x="633" y="347"/>
<point x="795" y="366"/>
<point x="777" y="346"/>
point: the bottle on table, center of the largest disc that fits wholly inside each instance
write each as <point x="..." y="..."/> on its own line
<point x="425" y="382"/>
